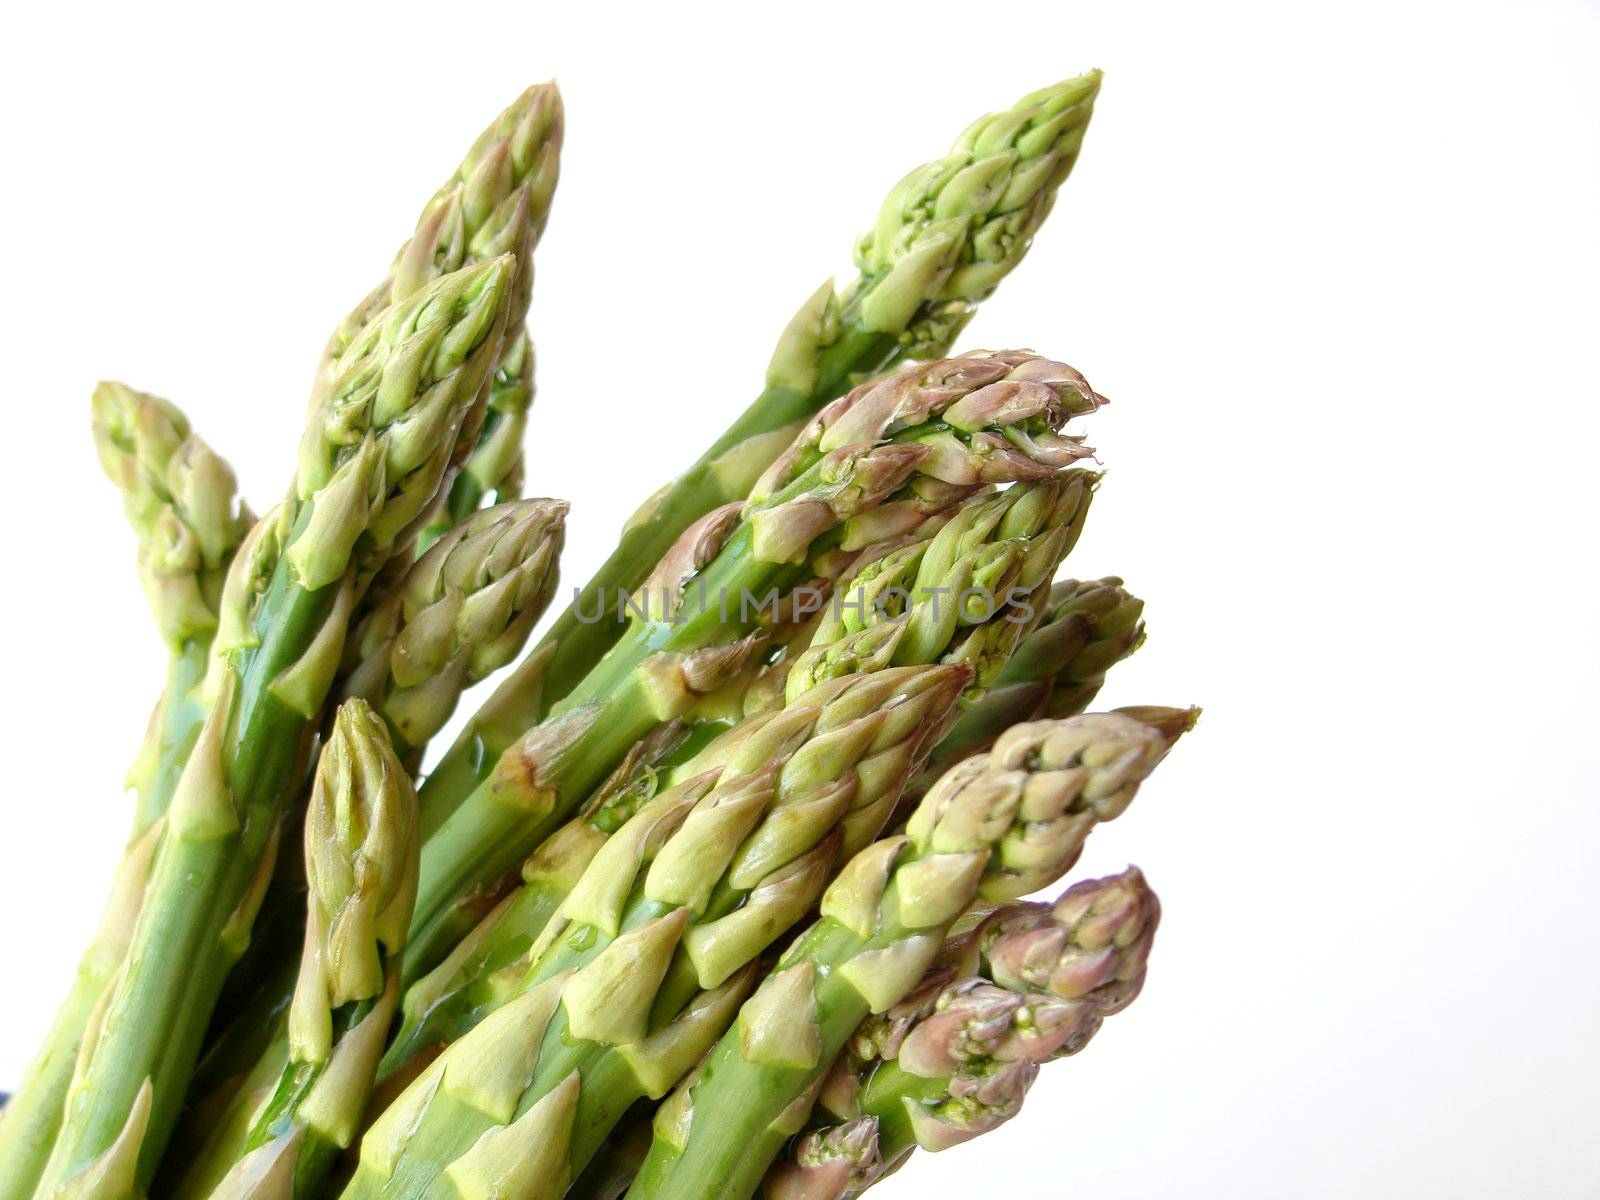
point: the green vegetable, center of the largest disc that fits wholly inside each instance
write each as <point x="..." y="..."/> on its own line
<point x="376" y="450"/>
<point x="946" y="236"/>
<point x="179" y="496"/>
<point x="997" y="826"/>
<point x="657" y="942"/>
<point x="361" y="844"/>
<point x="982" y="418"/>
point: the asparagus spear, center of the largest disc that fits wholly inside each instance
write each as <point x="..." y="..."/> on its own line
<point x="462" y="611"/>
<point x="361" y="846"/>
<point x="656" y="944"/>
<point x="496" y="202"/>
<point x="376" y="450"/>
<point x="961" y="421"/>
<point x="956" y="1058"/>
<point x="945" y="237"/>
<point x="996" y="826"/>
<point x="179" y="496"/>
<point x="1057" y="669"/>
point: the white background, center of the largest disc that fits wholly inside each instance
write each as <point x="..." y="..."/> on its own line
<point x="1335" y="265"/>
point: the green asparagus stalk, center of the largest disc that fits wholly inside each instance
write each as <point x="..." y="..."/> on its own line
<point x="961" y="421"/>
<point x="946" y="236"/>
<point x="179" y="497"/>
<point x="656" y="944"/>
<point x="956" y="1058"/>
<point x="496" y="202"/>
<point x="377" y="448"/>
<point x="997" y="827"/>
<point x="1057" y="669"/>
<point x="361" y="847"/>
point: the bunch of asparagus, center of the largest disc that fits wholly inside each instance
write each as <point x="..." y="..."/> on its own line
<point x="722" y="890"/>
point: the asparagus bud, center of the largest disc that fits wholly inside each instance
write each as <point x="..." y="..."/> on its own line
<point x="499" y="200"/>
<point x="955" y="1058"/>
<point x="953" y="229"/>
<point x="827" y="1164"/>
<point x="496" y="202"/>
<point x="463" y="611"/>
<point x="1056" y="669"/>
<point x="179" y="497"/>
<point x="381" y="441"/>
<point x="1036" y="796"/>
<point x="360" y="849"/>
<point x="980" y="418"/>
<point x="1091" y="945"/>
<point x="966" y="594"/>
